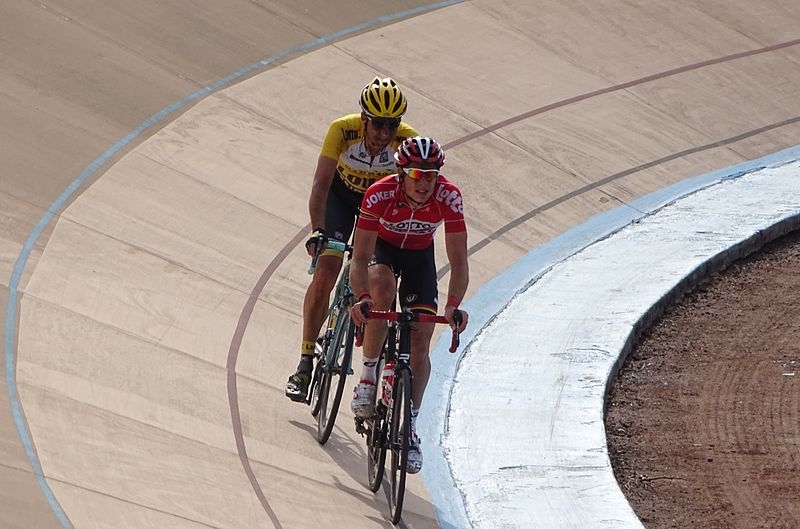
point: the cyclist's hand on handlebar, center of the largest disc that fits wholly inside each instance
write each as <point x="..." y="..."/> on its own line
<point x="457" y="318"/>
<point x="316" y="242"/>
<point x="360" y="310"/>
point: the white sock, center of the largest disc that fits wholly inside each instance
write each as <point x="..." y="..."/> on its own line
<point x="414" y="413"/>
<point x="368" y="370"/>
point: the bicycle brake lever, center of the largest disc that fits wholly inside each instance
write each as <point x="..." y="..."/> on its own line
<point x="359" y="335"/>
<point x="317" y="250"/>
<point x="455" y="341"/>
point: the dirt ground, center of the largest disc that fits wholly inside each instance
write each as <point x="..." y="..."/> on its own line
<point x="703" y="422"/>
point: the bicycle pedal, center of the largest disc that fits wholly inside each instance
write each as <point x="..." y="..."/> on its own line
<point x="298" y="398"/>
<point x="360" y="427"/>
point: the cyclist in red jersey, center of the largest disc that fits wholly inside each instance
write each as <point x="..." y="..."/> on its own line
<point x="394" y="237"/>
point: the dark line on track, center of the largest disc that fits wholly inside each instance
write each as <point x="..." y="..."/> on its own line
<point x="233" y="356"/>
<point x="615" y="88"/>
<point x="616" y="176"/>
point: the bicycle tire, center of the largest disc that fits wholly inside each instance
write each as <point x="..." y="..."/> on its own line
<point x="399" y="434"/>
<point x="318" y="378"/>
<point x="337" y="364"/>
<point x="313" y="388"/>
<point x="377" y="440"/>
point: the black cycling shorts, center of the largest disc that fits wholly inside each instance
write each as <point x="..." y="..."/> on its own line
<point x="341" y="213"/>
<point x="417" y="271"/>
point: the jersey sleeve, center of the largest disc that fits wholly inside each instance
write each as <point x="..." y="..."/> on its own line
<point x="404" y="131"/>
<point x="367" y="219"/>
<point x="453" y="210"/>
<point x="333" y="145"/>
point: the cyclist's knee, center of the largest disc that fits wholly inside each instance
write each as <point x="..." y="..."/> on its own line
<point x="420" y="360"/>
<point x="382" y="286"/>
<point x="320" y="287"/>
<point x="325" y="276"/>
<point x="382" y="294"/>
<point x="382" y="298"/>
<point x="420" y="348"/>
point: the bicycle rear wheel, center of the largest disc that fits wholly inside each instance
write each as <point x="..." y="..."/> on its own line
<point x="399" y="434"/>
<point x="333" y="373"/>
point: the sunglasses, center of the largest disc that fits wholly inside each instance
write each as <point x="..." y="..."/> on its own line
<point x="424" y="174"/>
<point x="383" y="123"/>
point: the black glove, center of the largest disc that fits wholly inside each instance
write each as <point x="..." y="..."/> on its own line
<point x="316" y="239"/>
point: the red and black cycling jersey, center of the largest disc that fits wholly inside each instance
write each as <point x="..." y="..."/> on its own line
<point x="385" y="209"/>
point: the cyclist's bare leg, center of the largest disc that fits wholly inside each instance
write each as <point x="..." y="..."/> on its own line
<point x="317" y="298"/>
<point x="420" y="361"/>
<point x="382" y="289"/>
<point x="315" y="306"/>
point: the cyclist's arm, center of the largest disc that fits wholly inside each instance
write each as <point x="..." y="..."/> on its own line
<point x="363" y="248"/>
<point x="317" y="202"/>
<point x="456" y="246"/>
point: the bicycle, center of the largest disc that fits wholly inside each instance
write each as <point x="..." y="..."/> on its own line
<point x="334" y="350"/>
<point x="390" y="427"/>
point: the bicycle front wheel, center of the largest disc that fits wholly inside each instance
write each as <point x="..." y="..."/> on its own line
<point x="399" y="435"/>
<point x="377" y="438"/>
<point x="333" y="376"/>
<point x="313" y="387"/>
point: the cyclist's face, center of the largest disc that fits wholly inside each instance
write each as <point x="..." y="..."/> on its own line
<point x="378" y="133"/>
<point x="419" y="181"/>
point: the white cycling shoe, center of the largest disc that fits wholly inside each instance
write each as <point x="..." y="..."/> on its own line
<point x="363" y="403"/>
<point x="414" y="463"/>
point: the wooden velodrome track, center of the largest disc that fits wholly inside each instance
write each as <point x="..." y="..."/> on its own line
<point x="152" y="311"/>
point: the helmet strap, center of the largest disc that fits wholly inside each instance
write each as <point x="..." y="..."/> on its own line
<point x="413" y="202"/>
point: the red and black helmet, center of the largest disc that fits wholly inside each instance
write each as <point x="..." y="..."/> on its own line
<point x="419" y="149"/>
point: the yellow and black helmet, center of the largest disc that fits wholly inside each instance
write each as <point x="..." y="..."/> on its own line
<point x="382" y="98"/>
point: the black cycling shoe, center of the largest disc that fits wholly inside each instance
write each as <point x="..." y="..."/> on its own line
<point x="297" y="386"/>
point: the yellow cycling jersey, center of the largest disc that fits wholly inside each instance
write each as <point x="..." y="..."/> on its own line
<point x="356" y="168"/>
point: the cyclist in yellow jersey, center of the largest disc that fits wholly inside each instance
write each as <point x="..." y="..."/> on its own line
<point x="358" y="150"/>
